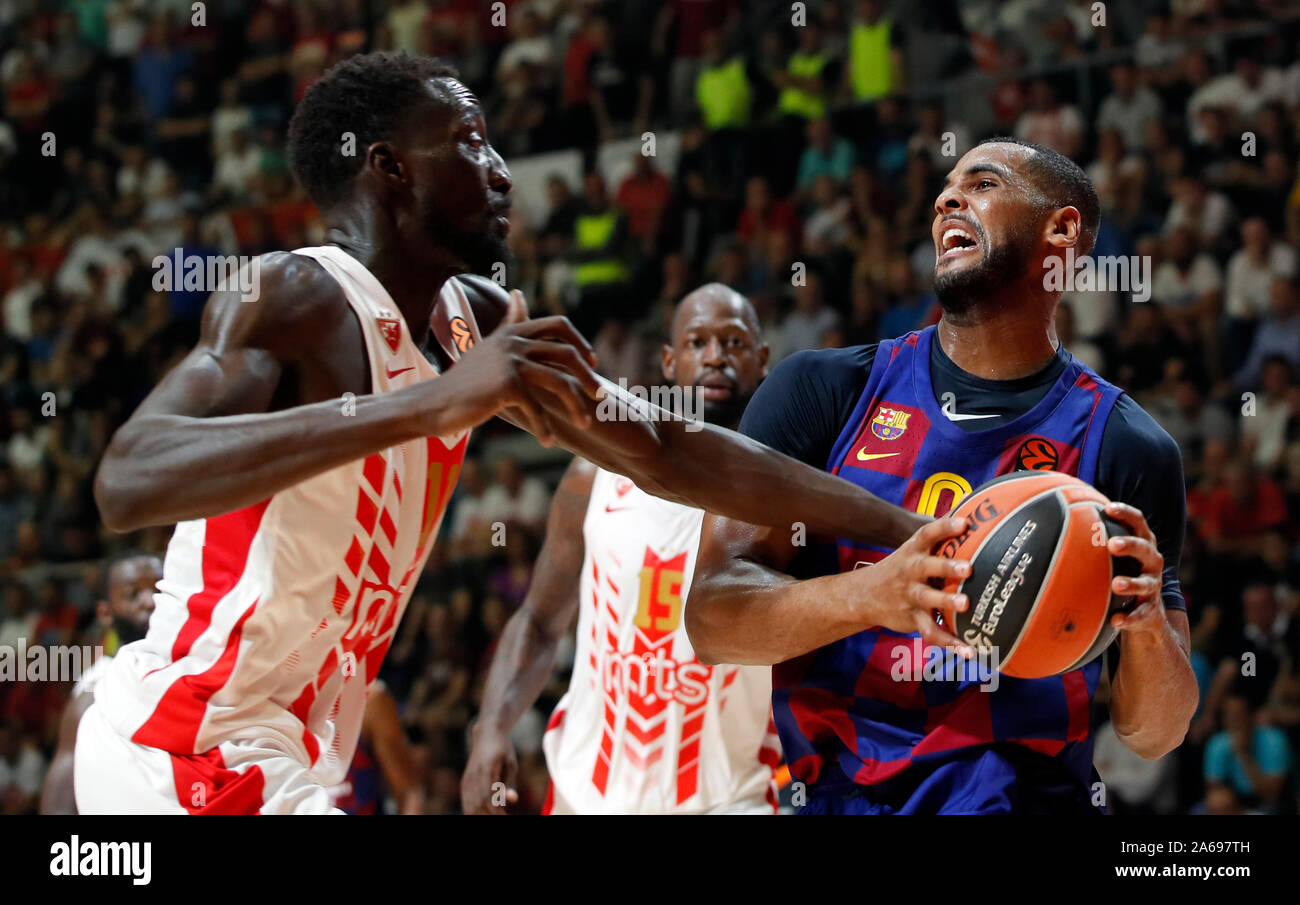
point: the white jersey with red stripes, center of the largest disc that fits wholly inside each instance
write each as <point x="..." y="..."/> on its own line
<point x="645" y="728"/>
<point x="271" y="621"/>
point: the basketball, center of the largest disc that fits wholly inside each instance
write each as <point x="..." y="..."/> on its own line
<point x="1039" y="587"/>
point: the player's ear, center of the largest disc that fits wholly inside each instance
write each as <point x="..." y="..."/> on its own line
<point x="669" y="363"/>
<point x="764" y="353"/>
<point x="104" y="613"/>
<point x="383" y="159"/>
<point x="1065" y="228"/>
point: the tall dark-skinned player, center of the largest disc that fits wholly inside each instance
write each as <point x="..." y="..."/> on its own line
<point x="920" y="420"/>
<point x="306" y="449"/>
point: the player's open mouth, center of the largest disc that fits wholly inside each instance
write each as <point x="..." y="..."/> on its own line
<point x="957" y="241"/>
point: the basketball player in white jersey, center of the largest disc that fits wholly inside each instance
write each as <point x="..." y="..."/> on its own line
<point x="129" y="581"/>
<point x="644" y="727"/>
<point x="306" y="449"/>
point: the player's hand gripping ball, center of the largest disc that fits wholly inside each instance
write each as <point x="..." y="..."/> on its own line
<point x="1040" y="583"/>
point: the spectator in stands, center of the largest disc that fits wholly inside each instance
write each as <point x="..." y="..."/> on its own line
<point x="1129" y="106"/>
<point x="874" y="68"/>
<point x="1049" y="122"/>
<point x="826" y="155"/>
<point x="22" y="771"/>
<point x="1247" y="766"/>
<point x="1278" y="334"/>
<point x="517" y="501"/>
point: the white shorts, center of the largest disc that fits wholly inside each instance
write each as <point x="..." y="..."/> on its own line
<point x="114" y="775"/>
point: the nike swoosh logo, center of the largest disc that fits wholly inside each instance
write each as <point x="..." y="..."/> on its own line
<point x="867" y="457"/>
<point x="616" y="508"/>
<point x="391" y="373"/>
<point x="957" y="416"/>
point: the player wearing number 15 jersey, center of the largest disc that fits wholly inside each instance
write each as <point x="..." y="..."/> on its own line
<point x="645" y="728"/>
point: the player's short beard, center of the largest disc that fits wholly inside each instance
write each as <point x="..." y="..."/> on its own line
<point x="726" y="413"/>
<point x="479" y="249"/>
<point x="961" y="292"/>
<point x="128" y="630"/>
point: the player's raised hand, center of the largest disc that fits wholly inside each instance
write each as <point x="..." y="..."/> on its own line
<point x="488" y="783"/>
<point x="539" y="370"/>
<point x="896" y="593"/>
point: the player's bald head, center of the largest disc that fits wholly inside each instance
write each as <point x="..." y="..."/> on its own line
<point x="712" y="302"/>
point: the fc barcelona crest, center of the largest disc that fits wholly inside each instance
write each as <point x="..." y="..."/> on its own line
<point x="889" y="424"/>
<point x="390" y="328"/>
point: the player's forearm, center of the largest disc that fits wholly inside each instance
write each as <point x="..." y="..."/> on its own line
<point x="726" y="473"/>
<point x="520" y="671"/>
<point x="749" y="614"/>
<point x="1155" y="693"/>
<point x="764" y="487"/>
<point x="164" y="468"/>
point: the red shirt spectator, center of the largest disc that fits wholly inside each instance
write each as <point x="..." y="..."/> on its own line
<point x="644" y="195"/>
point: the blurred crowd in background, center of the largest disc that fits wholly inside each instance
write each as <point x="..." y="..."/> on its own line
<point x="810" y="141"/>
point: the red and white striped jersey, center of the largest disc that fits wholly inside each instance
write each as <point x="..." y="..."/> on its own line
<point x="271" y="621"/>
<point x="645" y="727"/>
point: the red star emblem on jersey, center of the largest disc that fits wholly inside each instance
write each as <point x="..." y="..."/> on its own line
<point x="391" y="330"/>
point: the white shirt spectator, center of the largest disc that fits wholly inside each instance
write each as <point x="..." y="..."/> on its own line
<point x="17" y="627"/>
<point x="235" y="171"/>
<point x="1216" y="215"/>
<point x="527" y="508"/>
<point x="1134" y="779"/>
<point x="1179" y="289"/>
<point x="27" y="450"/>
<point x="26" y="773"/>
<point x="126" y="27"/>
<point x="17" y="305"/>
<point x="1060" y="129"/>
<point x="1267" y="429"/>
<point x="526" y="50"/>
<point x="1250" y="282"/>
<point x="802" y="330"/>
<point x="225" y="122"/>
<point x="1231" y="91"/>
<point x="1130" y="116"/>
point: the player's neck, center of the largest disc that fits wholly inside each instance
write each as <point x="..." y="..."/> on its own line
<point x="999" y="343"/>
<point x="413" y="277"/>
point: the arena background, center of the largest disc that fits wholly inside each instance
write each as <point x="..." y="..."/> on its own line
<point x="655" y="146"/>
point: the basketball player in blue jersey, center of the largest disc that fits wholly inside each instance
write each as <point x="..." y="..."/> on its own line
<point x="920" y="421"/>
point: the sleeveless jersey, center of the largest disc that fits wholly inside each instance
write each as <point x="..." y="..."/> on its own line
<point x="271" y="621"/>
<point x="866" y="708"/>
<point x="644" y="726"/>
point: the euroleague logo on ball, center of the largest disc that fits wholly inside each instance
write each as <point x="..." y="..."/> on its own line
<point x="1037" y="454"/>
<point x="460" y="334"/>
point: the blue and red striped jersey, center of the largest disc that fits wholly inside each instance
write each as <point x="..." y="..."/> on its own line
<point x="846" y="712"/>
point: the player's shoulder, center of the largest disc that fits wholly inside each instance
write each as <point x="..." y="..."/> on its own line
<point x="295" y="298"/>
<point x="1132" y="431"/>
<point x="829" y="367"/>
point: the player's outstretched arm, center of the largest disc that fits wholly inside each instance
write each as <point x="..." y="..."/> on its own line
<point x="204" y="442"/>
<point x="715" y="469"/>
<point x="744" y="609"/>
<point x="526" y="652"/>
